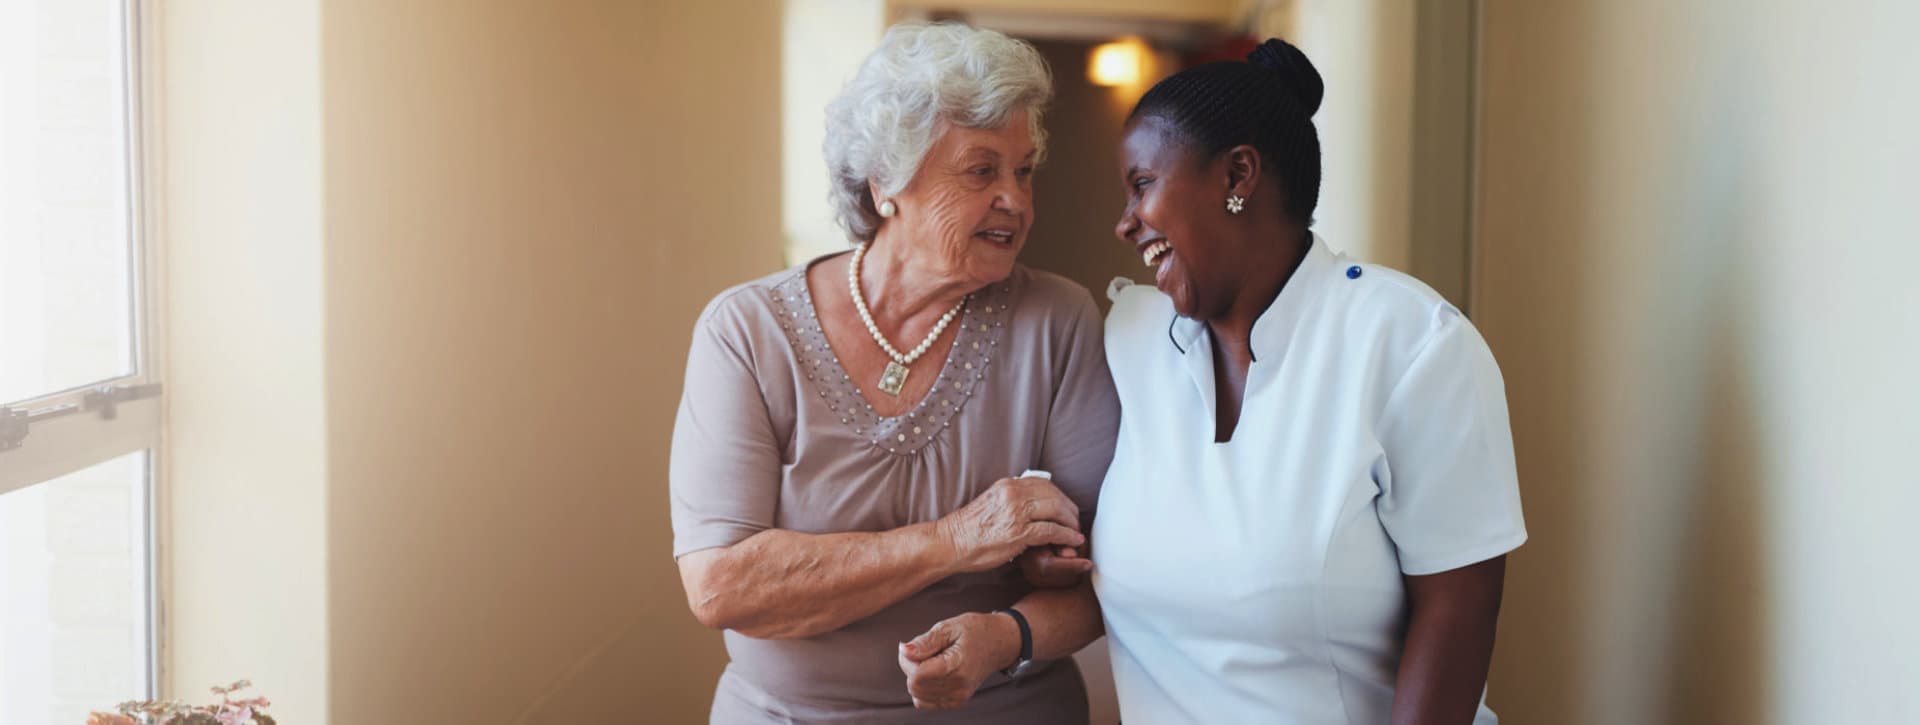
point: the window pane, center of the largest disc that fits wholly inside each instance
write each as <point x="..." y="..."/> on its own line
<point x="74" y="634"/>
<point x="65" y="217"/>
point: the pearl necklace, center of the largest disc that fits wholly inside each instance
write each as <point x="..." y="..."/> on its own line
<point x="895" y="376"/>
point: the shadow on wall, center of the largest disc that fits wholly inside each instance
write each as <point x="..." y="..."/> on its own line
<point x="1642" y="597"/>
<point x="1536" y="668"/>
<point x="1718" y="644"/>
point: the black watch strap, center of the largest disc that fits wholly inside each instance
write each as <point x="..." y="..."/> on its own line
<point x="1021" y="665"/>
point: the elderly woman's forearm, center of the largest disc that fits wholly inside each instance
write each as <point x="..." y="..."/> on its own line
<point x="782" y="584"/>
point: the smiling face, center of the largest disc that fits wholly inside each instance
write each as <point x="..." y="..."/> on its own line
<point x="968" y="209"/>
<point x="1176" y="217"/>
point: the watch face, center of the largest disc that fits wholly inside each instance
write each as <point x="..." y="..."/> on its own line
<point x="1019" y="668"/>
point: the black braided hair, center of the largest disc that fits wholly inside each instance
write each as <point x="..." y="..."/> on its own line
<point x="1267" y="102"/>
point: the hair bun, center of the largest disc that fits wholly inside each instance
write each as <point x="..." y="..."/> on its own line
<point x="1282" y="57"/>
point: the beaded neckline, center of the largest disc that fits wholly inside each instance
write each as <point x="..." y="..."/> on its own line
<point x="982" y="325"/>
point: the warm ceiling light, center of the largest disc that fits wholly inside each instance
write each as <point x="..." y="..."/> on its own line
<point x="1117" y="63"/>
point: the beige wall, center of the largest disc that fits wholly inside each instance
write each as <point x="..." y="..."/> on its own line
<point x="822" y="45"/>
<point x="1696" y="233"/>
<point x="428" y="320"/>
<point x="527" y="205"/>
<point x="1395" y="128"/>
<point x="243" y="569"/>
<point x="1364" y="51"/>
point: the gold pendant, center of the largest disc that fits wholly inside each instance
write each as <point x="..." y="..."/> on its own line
<point x="893" y="379"/>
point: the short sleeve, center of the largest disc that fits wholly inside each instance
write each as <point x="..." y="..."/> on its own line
<point x="724" y="468"/>
<point x="1450" y="495"/>
<point x="1084" y="419"/>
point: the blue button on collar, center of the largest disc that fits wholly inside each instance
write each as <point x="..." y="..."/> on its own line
<point x="1353" y="272"/>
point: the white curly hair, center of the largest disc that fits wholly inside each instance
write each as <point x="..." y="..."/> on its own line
<point x="923" y="79"/>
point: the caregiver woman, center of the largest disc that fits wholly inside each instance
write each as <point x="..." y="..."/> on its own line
<point x="1309" y="506"/>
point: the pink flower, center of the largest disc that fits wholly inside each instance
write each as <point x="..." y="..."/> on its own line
<point x="237" y="685"/>
<point x="231" y="710"/>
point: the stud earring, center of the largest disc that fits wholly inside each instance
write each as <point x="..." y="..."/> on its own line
<point x="887" y="209"/>
<point x="1235" y="204"/>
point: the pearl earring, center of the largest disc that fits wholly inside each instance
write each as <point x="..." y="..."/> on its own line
<point x="1235" y="204"/>
<point x="887" y="209"/>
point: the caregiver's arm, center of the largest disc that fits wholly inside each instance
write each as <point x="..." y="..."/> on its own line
<point x="1055" y="567"/>
<point x="1443" y="670"/>
<point x="1082" y="426"/>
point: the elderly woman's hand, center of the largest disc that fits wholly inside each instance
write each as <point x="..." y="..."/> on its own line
<point x="1014" y="515"/>
<point x="946" y="665"/>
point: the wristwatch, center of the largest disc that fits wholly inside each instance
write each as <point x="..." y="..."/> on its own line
<point x="1020" y="666"/>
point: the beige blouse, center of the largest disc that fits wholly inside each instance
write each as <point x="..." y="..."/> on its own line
<point x="772" y="433"/>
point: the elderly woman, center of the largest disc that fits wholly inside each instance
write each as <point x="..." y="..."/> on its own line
<point x="845" y="457"/>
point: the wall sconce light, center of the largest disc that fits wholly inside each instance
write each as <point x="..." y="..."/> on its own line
<point x="1119" y="63"/>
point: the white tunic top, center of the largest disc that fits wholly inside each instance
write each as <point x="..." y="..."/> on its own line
<point x="1259" y="580"/>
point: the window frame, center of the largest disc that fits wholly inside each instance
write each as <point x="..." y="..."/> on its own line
<point x="77" y="428"/>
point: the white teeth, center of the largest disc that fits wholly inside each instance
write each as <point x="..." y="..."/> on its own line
<point x="1154" y="252"/>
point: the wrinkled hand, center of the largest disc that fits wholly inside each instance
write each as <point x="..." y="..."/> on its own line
<point x="1054" y="567"/>
<point x="1012" y="516"/>
<point x="945" y="666"/>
